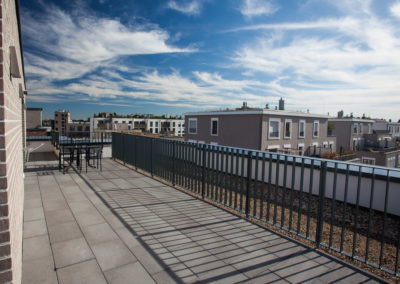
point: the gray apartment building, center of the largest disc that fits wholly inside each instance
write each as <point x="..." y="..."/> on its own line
<point x="392" y="127"/>
<point x="262" y="129"/>
<point x="350" y="132"/>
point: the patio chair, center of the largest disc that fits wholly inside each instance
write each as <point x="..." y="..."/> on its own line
<point x="94" y="155"/>
<point x="66" y="154"/>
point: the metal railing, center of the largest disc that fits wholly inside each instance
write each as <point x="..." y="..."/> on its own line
<point x="346" y="207"/>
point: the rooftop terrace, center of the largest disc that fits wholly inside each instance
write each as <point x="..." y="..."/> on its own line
<point x="120" y="226"/>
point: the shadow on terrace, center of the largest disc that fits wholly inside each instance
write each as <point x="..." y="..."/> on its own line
<point x="120" y="226"/>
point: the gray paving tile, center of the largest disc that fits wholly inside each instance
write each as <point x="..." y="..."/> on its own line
<point x="112" y="254"/>
<point x="64" y="231"/>
<point x="36" y="247"/>
<point x="87" y="272"/>
<point x="33" y="214"/>
<point x="39" y="271"/>
<point x="127" y="273"/>
<point x="71" y="252"/>
<point x="35" y="228"/>
<point x="89" y="217"/>
<point x="58" y="216"/>
<point x="99" y="233"/>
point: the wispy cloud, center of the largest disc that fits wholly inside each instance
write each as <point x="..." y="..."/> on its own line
<point x="186" y="7"/>
<point x="67" y="46"/>
<point x="253" y="8"/>
<point x="358" y="65"/>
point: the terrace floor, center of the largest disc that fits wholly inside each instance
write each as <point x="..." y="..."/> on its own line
<point x="119" y="226"/>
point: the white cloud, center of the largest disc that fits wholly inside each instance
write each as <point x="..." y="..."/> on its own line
<point x="71" y="46"/>
<point x="253" y="8"/>
<point x="188" y="7"/>
<point x="395" y="9"/>
<point x="356" y="67"/>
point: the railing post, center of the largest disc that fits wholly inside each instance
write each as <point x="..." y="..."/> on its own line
<point x="173" y="161"/>
<point x="321" y="198"/>
<point x="203" y="172"/>
<point x="151" y="156"/>
<point x="135" y="158"/>
<point x="249" y="174"/>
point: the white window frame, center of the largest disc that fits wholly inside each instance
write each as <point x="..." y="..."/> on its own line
<point x="368" y="159"/>
<point x="360" y="128"/>
<point x="272" y="119"/>
<point x="302" y="121"/>
<point x="287" y="146"/>
<point x="313" y="132"/>
<point x="211" y="126"/>
<point x="290" y="130"/>
<point x="271" y="147"/>
<point x="369" y="128"/>
<point x="192" y="119"/>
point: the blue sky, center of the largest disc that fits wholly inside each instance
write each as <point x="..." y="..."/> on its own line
<point x="177" y="56"/>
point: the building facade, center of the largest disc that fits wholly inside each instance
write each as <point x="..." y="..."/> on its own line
<point x="33" y="118"/>
<point x="61" y="120"/>
<point x="261" y="129"/>
<point x="350" y="132"/>
<point x="163" y="126"/>
<point x="392" y="127"/>
<point x="12" y="142"/>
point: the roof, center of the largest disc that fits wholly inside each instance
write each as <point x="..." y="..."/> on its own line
<point x="351" y="119"/>
<point x="257" y="111"/>
<point x="34" y="108"/>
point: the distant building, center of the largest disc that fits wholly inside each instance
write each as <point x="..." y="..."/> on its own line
<point x="262" y="129"/>
<point x="392" y="127"/>
<point x="164" y="126"/>
<point x="381" y="149"/>
<point x="61" y="119"/>
<point x="78" y="128"/>
<point x="33" y="118"/>
<point x="34" y="125"/>
<point x="350" y="132"/>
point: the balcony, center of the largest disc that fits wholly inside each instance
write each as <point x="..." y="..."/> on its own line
<point x="122" y="224"/>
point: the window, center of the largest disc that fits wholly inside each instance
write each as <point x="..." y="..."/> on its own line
<point x="87" y="128"/>
<point x="369" y="128"/>
<point x="173" y="124"/>
<point x="316" y="128"/>
<point x="391" y="162"/>
<point x="79" y="128"/>
<point x="156" y="123"/>
<point x="156" y="130"/>
<point x="302" y="128"/>
<point x="274" y="125"/>
<point x="288" y="128"/>
<point x="214" y="126"/>
<point x="192" y="125"/>
<point x="355" y="128"/>
<point x="71" y="128"/>
<point x="151" y="124"/>
<point x="368" y="161"/>
<point x="123" y="121"/>
<point x="361" y="128"/>
<point x="390" y="129"/>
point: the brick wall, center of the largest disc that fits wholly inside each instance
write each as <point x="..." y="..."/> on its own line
<point x="11" y="149"/>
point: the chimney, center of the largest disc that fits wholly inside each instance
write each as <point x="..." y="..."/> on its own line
<point x="340" y="114"/>
<point x="244" y="104"/>
<point x="267" y="106"/>
<point x="281" y="104"/>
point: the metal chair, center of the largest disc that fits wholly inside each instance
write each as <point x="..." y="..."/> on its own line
<point x="66" y="154"/>
<point x="94" y="154"/>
